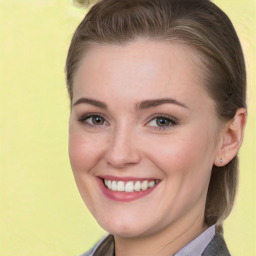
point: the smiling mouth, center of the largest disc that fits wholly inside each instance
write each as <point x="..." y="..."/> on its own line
<point x="129" y="186"/>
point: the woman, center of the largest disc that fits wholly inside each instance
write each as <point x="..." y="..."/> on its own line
<point x="157" y="91"/>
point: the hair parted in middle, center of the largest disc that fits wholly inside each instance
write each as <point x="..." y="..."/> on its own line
<point x="197" y="23"/>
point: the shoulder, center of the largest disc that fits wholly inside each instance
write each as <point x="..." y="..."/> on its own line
<point x="88" y="253"/>
<point x="104" y="245"/>
<point x="217" y="247"/>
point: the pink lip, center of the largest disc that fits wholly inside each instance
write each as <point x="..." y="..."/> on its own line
<point x="125" y="179"/>
<point x="124" y="196"/>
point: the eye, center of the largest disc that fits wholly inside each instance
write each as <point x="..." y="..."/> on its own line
<point x="162" y="122"/>
<point x="93" y="120"/>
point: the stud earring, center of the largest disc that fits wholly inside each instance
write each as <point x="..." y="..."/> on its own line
<point x="221" y="161"/>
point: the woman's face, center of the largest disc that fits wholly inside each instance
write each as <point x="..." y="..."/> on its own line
<point x="141" y="121"/>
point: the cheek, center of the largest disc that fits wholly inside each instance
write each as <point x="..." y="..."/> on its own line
<point x="83" y="150"/>
<point x="186" y="163"/>
<point x="77" y="152"/>
<point x="185" y="157"/>
<point x="83" y="155"/>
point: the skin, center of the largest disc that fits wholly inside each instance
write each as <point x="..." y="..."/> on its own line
<point x="128" y="142"/>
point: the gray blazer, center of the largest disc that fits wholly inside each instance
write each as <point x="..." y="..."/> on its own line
<point x="217" y="247"/>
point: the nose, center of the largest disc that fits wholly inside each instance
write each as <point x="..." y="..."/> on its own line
<point x="122" y="150"/>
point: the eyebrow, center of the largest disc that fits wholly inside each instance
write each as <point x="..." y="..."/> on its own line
<point x="146" y="104"/>
<point x="93" y="102"/>
<point x="156" y="102"/>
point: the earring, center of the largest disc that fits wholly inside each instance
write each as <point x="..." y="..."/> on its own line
<point x="221" y="161"/>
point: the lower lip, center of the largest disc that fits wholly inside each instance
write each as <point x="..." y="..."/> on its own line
<point x="123" y="196"/>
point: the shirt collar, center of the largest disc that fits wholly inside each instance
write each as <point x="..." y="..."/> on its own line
<point x="195" y="247"/>
<point x="198" y="245"/>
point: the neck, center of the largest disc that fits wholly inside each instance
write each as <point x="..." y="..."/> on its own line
<point x="165" y="242"/>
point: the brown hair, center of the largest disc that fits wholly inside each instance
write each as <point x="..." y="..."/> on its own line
<point x="200" y="24"/>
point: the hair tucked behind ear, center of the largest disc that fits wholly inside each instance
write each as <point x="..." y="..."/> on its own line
<point x="198" y="23"/>
<point x="221" y="193"/>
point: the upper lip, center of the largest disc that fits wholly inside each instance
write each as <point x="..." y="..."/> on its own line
<point x="127" y="178"/>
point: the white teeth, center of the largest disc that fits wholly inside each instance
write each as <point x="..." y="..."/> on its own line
<point x="109" y="184"/>
<point x="120" y="186"/>
<point x="129" y="186"/>
<point x="151" y="184"/>
<point x="144" y="185"/>
<point x="137" y="186"/>
<point x="114" y="185"/>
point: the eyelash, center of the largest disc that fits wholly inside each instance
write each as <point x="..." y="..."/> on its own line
<point x="171" y="120"/>
<point x="85" y="118"/>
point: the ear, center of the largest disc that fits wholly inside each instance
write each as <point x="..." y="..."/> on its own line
<point x="231" y="138"/>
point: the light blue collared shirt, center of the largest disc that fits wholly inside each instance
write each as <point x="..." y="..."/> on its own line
<point x="198" y="245"/>
<point x="195" y="247"/>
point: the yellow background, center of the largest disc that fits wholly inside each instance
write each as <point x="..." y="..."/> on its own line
<point x="41" y="213"/>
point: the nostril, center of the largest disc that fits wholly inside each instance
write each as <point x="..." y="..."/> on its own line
<point x="122" y="149"/>
<point x="120" y="158"/>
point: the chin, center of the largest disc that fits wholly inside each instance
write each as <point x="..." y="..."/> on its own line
<point x="123" y="228"/>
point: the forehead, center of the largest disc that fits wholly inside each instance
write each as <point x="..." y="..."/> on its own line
<point x="149" y="68"/>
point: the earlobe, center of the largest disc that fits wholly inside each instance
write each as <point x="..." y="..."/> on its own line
<point x="231" y="138"/>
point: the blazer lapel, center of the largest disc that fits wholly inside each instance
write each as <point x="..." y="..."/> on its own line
<point x="217" y="247"/>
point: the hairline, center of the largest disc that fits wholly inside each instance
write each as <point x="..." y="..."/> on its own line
<point x="199" y="57"/>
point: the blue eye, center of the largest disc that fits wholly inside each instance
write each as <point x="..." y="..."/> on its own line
<point x="162" y="122"/>
<point x="94" y="120"/>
